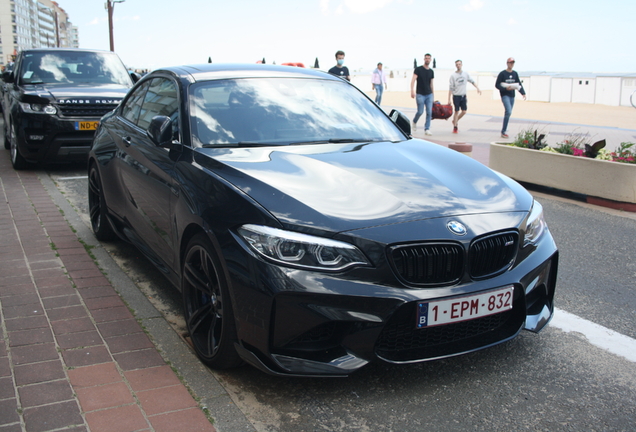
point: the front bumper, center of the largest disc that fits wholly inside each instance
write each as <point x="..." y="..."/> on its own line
<point x="292" y="322"/>
<point x="50" y="138"/>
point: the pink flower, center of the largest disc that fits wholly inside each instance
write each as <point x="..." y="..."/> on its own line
<point x="577" y="152"/>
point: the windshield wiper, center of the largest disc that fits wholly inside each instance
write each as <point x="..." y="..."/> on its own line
<point x="338" y="141"/>
<point x="280" y="144"/>
<point x="241" y="144"/>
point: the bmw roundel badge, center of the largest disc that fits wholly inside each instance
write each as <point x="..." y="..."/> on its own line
<point x="457" y="228"/>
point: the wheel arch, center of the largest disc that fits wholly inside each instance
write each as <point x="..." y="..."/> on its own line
<point x="191" y="231"/>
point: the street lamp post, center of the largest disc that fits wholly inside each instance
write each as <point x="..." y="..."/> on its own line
<point x="110" y="7"/>
<point x="53" y="15"/>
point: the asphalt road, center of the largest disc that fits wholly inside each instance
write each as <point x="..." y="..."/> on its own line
<point x="553" y="381"/>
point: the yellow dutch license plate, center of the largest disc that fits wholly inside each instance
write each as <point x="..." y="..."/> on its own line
<point x="86" y="125"/>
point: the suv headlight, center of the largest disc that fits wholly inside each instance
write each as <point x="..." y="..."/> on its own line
<point x="535" y="226"/>
<point x="33" y="108"/>
<point x="301" y="250"/>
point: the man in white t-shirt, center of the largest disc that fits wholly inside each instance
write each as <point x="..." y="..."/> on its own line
<point x="457" y="88"/>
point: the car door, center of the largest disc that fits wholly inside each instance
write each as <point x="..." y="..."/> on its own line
<point x="146" y="172"/>
<point x="117" y="197"/>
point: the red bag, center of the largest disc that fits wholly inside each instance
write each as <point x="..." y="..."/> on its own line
<point x="441" y="111"/>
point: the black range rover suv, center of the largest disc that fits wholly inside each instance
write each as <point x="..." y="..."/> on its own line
<point x="54" y="100"/>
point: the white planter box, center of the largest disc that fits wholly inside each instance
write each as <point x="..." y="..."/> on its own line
<point x="596" y="178"/>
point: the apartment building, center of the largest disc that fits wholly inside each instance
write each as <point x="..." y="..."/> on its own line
<point x="33" y="24"/>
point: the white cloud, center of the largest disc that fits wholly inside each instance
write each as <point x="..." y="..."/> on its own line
<point x="355" y="6"/>
<point x="365" y="6"/>
<point x="473" y="5"/>
<point x="324" y="6"/>
<point x="512" y="22"/>
<point x="128" y="18"/>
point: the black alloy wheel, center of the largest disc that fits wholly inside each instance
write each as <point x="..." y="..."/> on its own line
<point x="97" y="207"/>
<point x="207" y="306"/>
<point x="17" y="160"/>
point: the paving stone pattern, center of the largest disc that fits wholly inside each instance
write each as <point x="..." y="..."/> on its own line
<point x="72" y="356"/>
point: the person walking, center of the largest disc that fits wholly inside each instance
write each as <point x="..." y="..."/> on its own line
<point x="423" y="94"/>
<point x="507" y="82"/>
<point x="378" y="82"/>
<point x="457" y="89"/>
<point x="339" y="69"/>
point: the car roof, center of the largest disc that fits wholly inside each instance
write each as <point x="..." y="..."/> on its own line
<point x="210" y="71"/>
<point x="78" y="50"/>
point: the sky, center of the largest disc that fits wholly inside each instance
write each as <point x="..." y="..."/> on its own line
<point x="578" y="36"/>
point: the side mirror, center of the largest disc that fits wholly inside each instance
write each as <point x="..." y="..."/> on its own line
<point x="7" y="77"/>
<point x="135" y="76"/>
<point x="401" y="121"/>
<point x="160" y="130"/>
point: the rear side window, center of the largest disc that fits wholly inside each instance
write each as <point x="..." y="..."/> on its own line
<point x="160" y="99"/>
<point x="132" y="106"/>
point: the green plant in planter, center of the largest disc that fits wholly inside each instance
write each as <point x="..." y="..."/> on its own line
<point x="591" y="151"/>
<point x="529" y="138"/>
<point x="625" y="153"/>
<point x="578" y="145"/>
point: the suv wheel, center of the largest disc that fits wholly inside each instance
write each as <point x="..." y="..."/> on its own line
<point x="17" y="160"/>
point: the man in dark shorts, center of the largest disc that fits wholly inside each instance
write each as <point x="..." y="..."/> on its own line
<point x="339" y="69"/>
<point x="457" y="88"/>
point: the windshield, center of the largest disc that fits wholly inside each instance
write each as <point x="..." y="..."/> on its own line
<point x="283" y="111"/>
<point x="69" y="67"/>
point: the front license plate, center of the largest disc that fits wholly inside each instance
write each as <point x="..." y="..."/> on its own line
<point x="86" y="125"/>
<point x="464" y="308"/>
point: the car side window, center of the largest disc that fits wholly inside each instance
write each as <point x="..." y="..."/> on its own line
<point x="161" y="99"/>
<point x="132" y="107"/>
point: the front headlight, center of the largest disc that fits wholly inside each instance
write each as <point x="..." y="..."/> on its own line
<point x="301" y="250"/>
<point x="535" y="226"/>
<point x="37" y="108"/>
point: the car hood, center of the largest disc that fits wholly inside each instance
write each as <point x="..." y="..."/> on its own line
<point x="112" y="93"/>
<point x="339" y="187"/>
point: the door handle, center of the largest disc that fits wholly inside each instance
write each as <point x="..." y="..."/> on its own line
<point x="127" y="141"/>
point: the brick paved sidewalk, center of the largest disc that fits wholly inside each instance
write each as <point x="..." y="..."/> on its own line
<point x="71" y="353"/>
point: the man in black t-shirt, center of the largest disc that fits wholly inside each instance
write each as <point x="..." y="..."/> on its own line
<point x="507" y="82"/>
<point x="339" y="69"/>
<point x="423" y="94"/>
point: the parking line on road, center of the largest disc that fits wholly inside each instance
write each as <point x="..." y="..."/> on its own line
<point x="597" y="335"/>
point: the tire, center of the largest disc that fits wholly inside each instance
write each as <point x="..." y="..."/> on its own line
<point x="207" y="306"/>
<point x="97" y="207"/>
<point x="7" y="141"/>
<point x="17" y="160"/>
